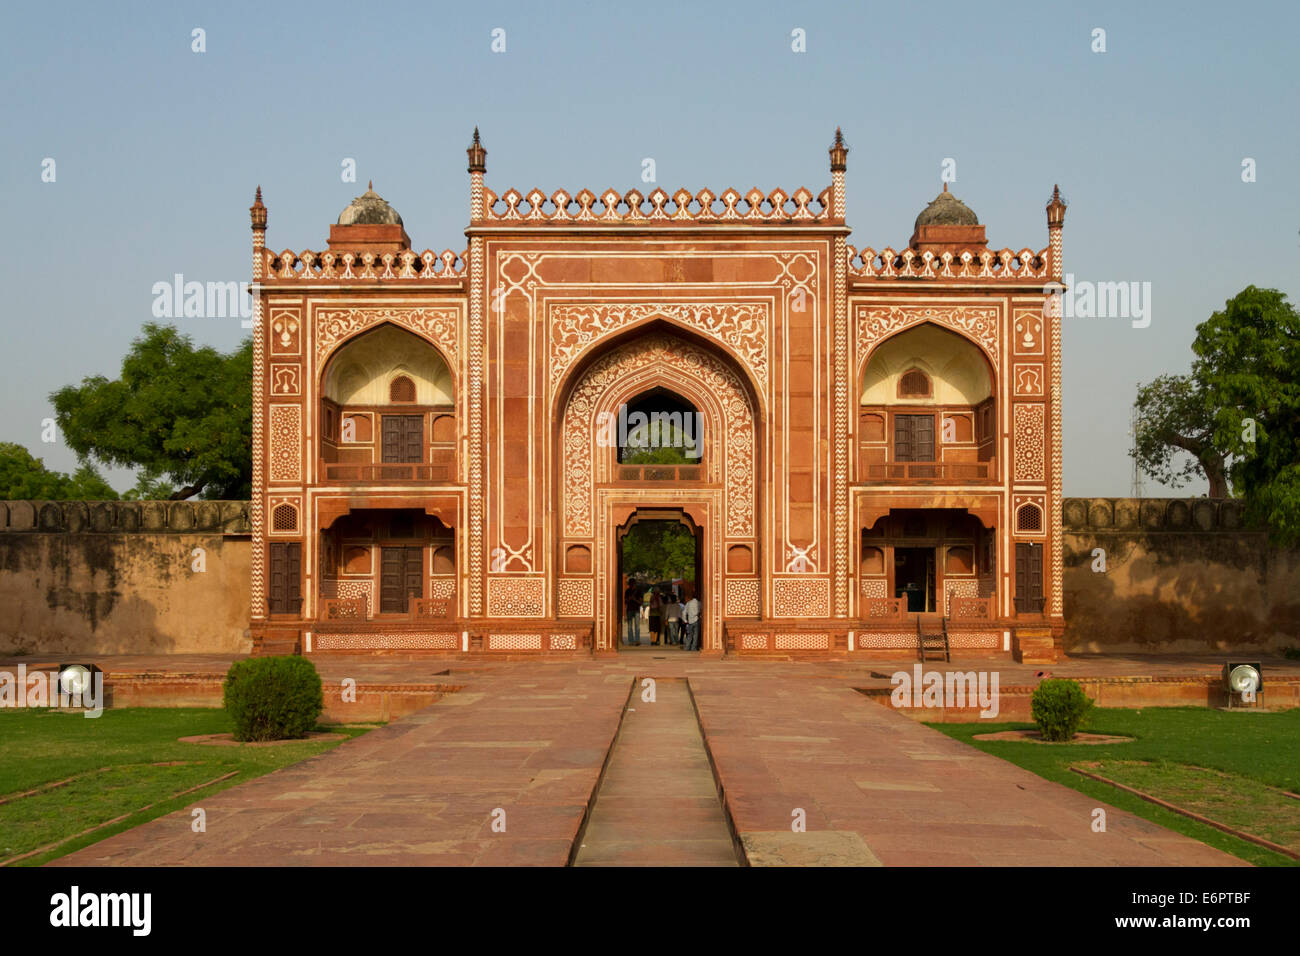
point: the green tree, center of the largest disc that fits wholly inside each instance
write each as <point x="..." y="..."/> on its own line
<point x="1238" y="412"/>
<point x="1248" y="362"/>
<point x="25" y="477"/>
<point x="657" y="444"/>
<point x="1174" y="416"/>
<point x="149" y="486"/>
<point x="87" y="484"/>
<point x="175" y="411"/>
<point x="659" y="550"/>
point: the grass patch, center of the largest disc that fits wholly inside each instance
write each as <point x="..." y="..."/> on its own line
<point x="1228" y="798"/>
<point x="121" y="761"/>
<point x="1251" y="748"/>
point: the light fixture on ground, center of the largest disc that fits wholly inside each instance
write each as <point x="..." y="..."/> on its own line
<point x="76" y="680"/>
<point x="1243" y="683"/>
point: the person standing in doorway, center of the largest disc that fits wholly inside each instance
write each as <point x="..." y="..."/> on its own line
<point x="632" y="611"/>
<point x="656" y="616"/>
<point x="672" y="620"/>
<point x="691" y="615"/>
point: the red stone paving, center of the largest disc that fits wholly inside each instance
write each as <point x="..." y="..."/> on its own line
<point x="909" y="794"/>
<point x="531" y="738"/>
<point x="421" y="791"/>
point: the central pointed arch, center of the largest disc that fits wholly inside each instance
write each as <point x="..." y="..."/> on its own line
<point x="701" y="377"/>
<point x="592" y="497"/>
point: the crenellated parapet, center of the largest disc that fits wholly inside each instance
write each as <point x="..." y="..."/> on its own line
<point x="118" y="517"/>
<point x="633" y="207"/>
<point x="1005" y="264"/>
<point x="441" y="267"/>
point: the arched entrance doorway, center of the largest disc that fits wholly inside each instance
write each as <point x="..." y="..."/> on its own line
<point x="597" y="492"/>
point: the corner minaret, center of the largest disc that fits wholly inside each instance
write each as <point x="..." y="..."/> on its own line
<point x="839" y="162"/>
<point x="1055" y="223"/>
<point x="477" y="167"/>
<point x="256" y="515"/>
<point x="257" y="214"/>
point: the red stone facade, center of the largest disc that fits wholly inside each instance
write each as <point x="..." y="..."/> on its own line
<point x="880" y="429"/>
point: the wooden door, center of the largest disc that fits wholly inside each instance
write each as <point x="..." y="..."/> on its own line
<point x="1029" y="578"/>
<point x="284" y="577"/>
<point x="401" y="577"/>
<point x="403" y="438"/>
<point x="914" y="438"/>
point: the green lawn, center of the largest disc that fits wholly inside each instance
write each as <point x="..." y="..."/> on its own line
<point x="122" y="761"/>
<point x="1249" y="749"/>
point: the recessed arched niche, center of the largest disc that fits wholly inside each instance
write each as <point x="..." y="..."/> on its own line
<point x="444" y="560"/>
<point x="927" y="364"/>
<point x="740" y="559"/>
<point x="960" y="560"/>
<point x="577" y="559"/>
<point x="444" y="428"/>
<point x="388" y="365"/>
<point x="927" y="409"/>
<point x="873" y="560"/>
<point x="356" y="559"/>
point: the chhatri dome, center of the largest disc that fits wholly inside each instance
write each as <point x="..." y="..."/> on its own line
<point x="369" y="209"/>
<point x="947" y="210"/>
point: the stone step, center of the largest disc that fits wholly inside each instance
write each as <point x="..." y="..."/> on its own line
<point x="1034" y="647"/>
<point x="269" y="647"/>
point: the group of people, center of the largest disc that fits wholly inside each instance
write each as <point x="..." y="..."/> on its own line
<point x="670" y="620"/>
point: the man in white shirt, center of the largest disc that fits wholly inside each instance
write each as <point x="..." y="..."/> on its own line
<point x="691" y="617"/>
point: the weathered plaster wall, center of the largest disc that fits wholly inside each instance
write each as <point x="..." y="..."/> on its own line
<point x="118" y="577"/>
<point x="1181" y="575"/>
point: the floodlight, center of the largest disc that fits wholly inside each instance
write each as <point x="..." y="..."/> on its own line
<point x="1243" y="681"/>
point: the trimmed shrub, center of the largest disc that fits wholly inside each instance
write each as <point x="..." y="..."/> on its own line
<point x="273" y="698"/>
<point x="1058" y="707"/>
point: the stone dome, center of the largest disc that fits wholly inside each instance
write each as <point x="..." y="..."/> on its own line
<point x="369" y="209"/>
<point x="947" y="210"/>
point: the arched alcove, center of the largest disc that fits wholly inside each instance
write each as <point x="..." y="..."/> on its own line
<point x="927" y="409"/>
<point x="387" y="409"/>
<point x="364" y="370"/>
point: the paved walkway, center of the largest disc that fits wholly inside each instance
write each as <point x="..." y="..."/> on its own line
<point x="873" y="787"/>
<point x="422" y="791"/>
<point x="658" y="804"/>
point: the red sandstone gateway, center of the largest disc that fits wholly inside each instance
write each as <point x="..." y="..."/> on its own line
<point x="879" y="431"/>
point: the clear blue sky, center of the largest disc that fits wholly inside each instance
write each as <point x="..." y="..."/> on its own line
<point x="158" y="149"/>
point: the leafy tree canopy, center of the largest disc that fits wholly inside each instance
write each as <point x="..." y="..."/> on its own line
<point x="1248" y="361"/>
<point x="658" y="444"/>
<point x="1237" y="413"/>
<point x="25" y="477"/>
<point x="176" y="411"/>
<point x="659" y="551"/>
<point x="1174" y="416"/>
<point x="149" y="486"/>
